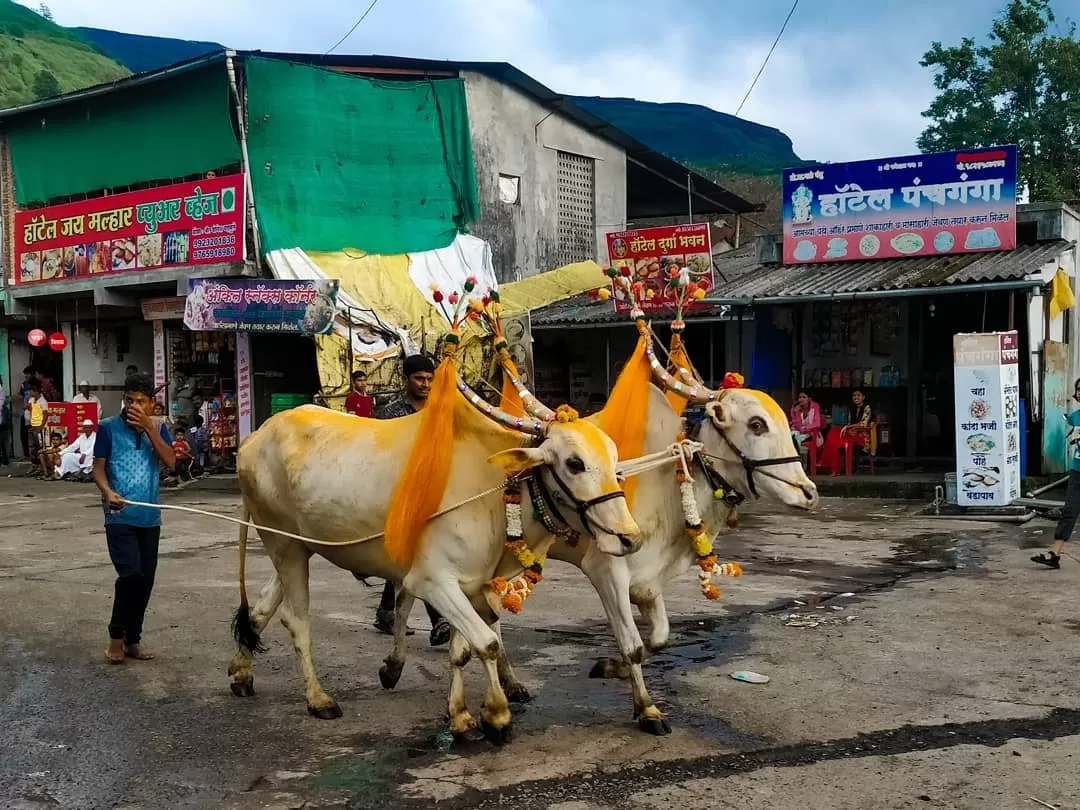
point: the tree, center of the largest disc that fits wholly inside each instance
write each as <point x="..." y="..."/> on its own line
<point x="45" y="85"/>
<point x="1023" y="87"/>
<point x="45" y="12"/>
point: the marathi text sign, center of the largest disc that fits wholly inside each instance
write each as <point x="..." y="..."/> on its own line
<point x="167" y="226"/>
<point x="987" y="380"/>
<point x="66" y="418"/>
<point x="924" y="205"/>
<point x="306" y="306"/>
<point x="649" y="254"/>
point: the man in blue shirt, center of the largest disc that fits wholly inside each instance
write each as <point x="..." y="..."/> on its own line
<point x="1071" y="510"/>
<point x="127" y="454"/>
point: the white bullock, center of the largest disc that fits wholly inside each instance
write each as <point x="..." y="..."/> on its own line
<point x="329" y="476"/>
<point x="747" y="445"/>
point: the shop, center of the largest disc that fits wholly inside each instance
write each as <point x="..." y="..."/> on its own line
<point x="861" y="307"/>
<point x="250" y="344"/>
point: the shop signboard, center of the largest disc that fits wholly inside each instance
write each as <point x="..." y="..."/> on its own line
<point x="922" y="205"/>
<point x="649" y="253"/>
<point x="297" y="306"/>
<point x="155" y="228"/>
<point x="66" y="418"/>
<point x="243" y="384"/>
<point x="987" y="379"/>
<point x="159" y="356"/>
<point x="163" y="309"/>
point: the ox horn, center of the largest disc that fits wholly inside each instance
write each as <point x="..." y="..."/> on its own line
<point x="695" y="392"/>
<point x="520" y="424"/>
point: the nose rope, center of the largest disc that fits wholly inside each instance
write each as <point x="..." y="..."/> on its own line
<point x="633" y="466"/>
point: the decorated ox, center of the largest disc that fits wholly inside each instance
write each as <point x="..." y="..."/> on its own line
<point x="747" y="452"/>
<point x="331" y="484"/>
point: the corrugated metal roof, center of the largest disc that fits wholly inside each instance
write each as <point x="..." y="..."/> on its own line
<point x="774" y="281"/>
<point x="741" y="279"/>
<point x="583" y="311"/>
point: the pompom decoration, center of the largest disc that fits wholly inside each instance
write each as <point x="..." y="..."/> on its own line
<point x="733" y="379"/>
<point x="604" y="294"/>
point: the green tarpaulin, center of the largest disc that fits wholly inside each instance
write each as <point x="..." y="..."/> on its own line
<point x="163" y="130"/>
<point x="340" y="161"/>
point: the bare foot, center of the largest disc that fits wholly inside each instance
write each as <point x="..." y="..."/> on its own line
<point x="114" y="653"/>
<point x="137" y="652"/>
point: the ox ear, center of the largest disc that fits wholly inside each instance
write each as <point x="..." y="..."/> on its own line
<point x="519" y="459"/>
<point x="720" y="416"/>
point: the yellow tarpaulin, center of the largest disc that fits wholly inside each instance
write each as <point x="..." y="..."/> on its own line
<point x="382" y="284"/>
<point x="1061" y="294"/>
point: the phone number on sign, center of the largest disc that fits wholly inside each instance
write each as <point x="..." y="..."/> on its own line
<point x="213" y="241"/>
<point x="214" y="253"/>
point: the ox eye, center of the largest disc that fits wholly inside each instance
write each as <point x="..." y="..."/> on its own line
<point x="575" y="465"/>
<point x="758" y="426"/>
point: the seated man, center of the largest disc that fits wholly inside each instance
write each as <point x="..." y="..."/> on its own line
<point x="50" y="456"/>
<point x="77" y="459"/>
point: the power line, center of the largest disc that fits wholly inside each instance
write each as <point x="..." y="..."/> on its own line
<point x="350" y="31"/>
<point x="768" y="56"/>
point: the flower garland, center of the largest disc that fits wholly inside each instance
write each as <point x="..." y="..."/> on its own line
<point x="515" y="591"/>
<point x="699" y="537"/>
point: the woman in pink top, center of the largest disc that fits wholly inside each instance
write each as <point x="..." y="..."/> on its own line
<point x="806" y="420"/>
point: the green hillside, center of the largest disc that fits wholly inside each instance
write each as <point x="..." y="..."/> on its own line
<point x="39" y="58"/>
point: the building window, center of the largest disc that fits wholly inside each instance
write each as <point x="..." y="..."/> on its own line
<point x="509" y="189"/>
<point x="577" y="208"/>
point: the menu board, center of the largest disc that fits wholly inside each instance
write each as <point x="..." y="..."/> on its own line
<point x="987" y="378"/>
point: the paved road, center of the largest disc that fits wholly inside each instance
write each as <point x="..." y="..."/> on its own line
<point x="945" y="678"/>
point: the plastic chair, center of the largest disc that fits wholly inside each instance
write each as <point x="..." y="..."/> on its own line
<point x="864" y="439"/>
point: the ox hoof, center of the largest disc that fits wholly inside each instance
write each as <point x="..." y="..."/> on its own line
<point x="331" y="712"/>
<point x="390" y="674"/>
<point x="517" y="693"/>
<point x="243" y="688"/>
<point x="605" y="668"/>
<point x="496" y="736"/>
<point x="657" y="726"/>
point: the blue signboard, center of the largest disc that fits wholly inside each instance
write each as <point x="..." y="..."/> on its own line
<point x="923" y="205"/>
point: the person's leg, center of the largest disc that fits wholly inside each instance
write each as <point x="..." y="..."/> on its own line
<point x="124" y="553"/>
<point x="148" y="540"/>
<point x="384" y="616"/>
<point x="1069" y="514"/>
<point x="440" y="627"/>
<point x="24" y="438"/>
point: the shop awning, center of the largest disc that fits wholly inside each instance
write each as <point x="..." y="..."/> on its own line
<point x="753" y="284"/>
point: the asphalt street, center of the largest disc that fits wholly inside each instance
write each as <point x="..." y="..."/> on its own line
<point x="914" y="662"/>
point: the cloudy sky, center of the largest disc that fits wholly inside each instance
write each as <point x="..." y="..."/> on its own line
<point x="844" y="82"/>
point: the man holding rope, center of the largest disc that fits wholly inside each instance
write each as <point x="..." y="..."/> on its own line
<point x="419" y="371"/>
<point x="127" y="454"/>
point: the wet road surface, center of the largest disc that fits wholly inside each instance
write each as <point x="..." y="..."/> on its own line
<point x="915" y="662"/>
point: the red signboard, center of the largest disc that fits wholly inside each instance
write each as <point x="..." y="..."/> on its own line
<point x="651" y="252"/>
<point x="66" y="418"/>
<point x="168" y="226"/>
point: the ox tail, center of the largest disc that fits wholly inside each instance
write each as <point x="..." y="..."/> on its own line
<point x="243" y="629"/>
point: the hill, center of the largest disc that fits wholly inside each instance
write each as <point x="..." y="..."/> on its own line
<point x="39" y="58"/>
<point x="140" y="53"/>
<point x="698" y="136"/>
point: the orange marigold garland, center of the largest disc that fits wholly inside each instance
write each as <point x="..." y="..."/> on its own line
<point x="699" y="538"/>
<point x="514" y="592"/>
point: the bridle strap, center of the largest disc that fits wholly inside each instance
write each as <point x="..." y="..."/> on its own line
<point x="751" y="465"/>
<point x="581" y="507"/>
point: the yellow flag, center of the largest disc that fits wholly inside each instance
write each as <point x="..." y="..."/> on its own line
<point x="1061" y="294"/>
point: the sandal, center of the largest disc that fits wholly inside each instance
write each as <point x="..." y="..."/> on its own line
<point x="1048" y="558"/>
